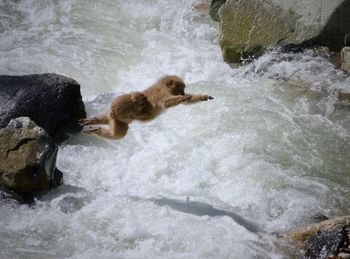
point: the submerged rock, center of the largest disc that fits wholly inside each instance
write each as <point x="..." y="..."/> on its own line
<point x="27" y="158"/>
<point x="6" y="194"/>
<point x="201" y="8"/>
<point x="248" y="27"/>
<point x="344" y="97"/>
<point x="68" y="198"/>
<point x="52" y="101"/>
<point x="324" y="239"/>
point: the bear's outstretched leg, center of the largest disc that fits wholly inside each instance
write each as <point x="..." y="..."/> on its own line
<point x="100" y="119"/>
<point x="116" y="130"/>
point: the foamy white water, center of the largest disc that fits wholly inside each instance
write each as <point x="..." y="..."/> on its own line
<point x="268" y="150"/>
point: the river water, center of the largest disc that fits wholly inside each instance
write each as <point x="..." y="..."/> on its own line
<point x="272" y="147"/>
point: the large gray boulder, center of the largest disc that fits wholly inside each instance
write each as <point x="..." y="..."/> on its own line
<point x="27" y="158"/>
<point x="52" y="101"/>
<point x="248" y="27"/>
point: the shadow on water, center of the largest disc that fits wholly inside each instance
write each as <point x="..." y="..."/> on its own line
<point x="69" y="198"/>
<point x="203" y="209"/>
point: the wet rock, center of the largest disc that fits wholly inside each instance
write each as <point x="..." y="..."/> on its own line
<point x="344" y="97"/>
<point x="318" y="217"/>
<point x="291" y="47"/>
<point x="344" y="256"/>
<point x="27" y="158"/>
<point x="325" y="239"/>
<point x="52" y="101"/>
<point x="70" y="204"/>
<point x="67" y="197"/>
<point x="214" y="8"/>
<point x="325" y="243"/>
<point x="345" y="59"/>
<point x="201" y="8"/>
<point x="335" y="59"/>
<point x="6" y="194"/>
<point x="248" y="27"/>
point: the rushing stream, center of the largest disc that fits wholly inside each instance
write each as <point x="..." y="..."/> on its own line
<point x="267" y="151"/>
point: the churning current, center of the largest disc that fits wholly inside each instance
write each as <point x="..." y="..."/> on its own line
<point x="211" y="180"/>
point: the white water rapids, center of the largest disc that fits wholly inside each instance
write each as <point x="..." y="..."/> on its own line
<point x="273" y="152"/>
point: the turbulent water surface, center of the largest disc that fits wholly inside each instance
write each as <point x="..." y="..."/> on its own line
<point x="267" y="149"/>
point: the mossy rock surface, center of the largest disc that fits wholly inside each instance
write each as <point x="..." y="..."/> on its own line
<point x="27" y="158"/>
<point x="249" y="27"/>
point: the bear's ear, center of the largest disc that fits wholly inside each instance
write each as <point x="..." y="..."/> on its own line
<point x="169" y="83"/>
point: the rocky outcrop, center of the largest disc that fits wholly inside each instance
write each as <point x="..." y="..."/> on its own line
<point x="52" y="101"/>
<point x="27" y="158"/>
<point x="248" y="27"/>
<point x="327" y="239"/>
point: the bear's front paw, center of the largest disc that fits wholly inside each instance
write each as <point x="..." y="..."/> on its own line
<point x="83" y="122"/>
<point x="207" y="97"/>
<point x="92" y="131"/>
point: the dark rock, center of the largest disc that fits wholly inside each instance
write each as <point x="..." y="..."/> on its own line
<point x="324" y="239"/>
<point x="27" y="158"/>
<point x="6" y="194"/>
<point x="214" y="9"/>
<point x="326" y="243"/>
<point x="52" y="101"/>
<point x="290" y="47"/>
<point x="319" y="217"/>
<point x="335" y="59"/>
<point x="334" y="26"/>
